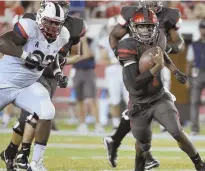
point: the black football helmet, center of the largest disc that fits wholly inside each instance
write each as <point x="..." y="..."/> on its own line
<point x="153" y="5"/>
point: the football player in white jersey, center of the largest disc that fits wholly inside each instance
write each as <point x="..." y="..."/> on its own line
<point x="28" y="49"/>
<point x="76" y="29"/>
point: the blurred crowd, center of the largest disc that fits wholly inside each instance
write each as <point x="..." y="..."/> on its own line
<point x="87" y="105"/>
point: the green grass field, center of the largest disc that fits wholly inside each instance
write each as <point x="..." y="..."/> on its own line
<point x="79" y="153"/>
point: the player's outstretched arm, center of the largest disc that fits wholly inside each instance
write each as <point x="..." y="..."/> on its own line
<point x="11" y="44"/>
<point x="169" y="63"/>
<point x="117" y="33"/>
<point x="178" y="42"/>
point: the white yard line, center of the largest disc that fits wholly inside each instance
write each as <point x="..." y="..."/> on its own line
<point x="122" y="147"/>
<point x="93" y="134"/>
<point x="2" y="169"/>
<point x="121" y="157"/>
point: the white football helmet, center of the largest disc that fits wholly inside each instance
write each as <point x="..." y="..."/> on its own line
<point x="65" y="4"/>
<point x="50" y="20"/>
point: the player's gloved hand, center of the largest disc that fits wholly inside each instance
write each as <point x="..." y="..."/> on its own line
<point x="31" y="60"/>
<point x="63" y="82"/>
<point x="58" y="76"/>
<point x="62" y="62"/>
<point x="181" y="77"/>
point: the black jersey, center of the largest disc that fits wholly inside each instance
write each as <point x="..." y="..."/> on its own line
<point x="142" y="88"/>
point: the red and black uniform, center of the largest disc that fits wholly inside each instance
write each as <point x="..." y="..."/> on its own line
<point x="142" y="88"/>
<point x="148" y="98"/>
<point x="169" y="18"/>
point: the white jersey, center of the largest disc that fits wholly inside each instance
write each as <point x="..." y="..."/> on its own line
<point x="13" y="72"/>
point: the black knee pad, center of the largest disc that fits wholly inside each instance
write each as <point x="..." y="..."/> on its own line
<point x="144" y="146"/>
<point x="17" y="128"/>
<point x="32" y="120"/>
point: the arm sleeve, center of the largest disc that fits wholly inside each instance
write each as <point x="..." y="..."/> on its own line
<point x="190" y="54"/>
<point x="22" y="28"/>
<point x="135" y="79"/>
<point x="126" y="50"/>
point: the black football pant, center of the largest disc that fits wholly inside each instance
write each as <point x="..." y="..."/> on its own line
<point x="165" y="112"/>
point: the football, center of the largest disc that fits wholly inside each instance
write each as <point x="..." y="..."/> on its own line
<point x="146" y="62"/>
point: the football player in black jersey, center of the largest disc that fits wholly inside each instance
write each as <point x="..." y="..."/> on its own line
<point x="50" y="79"/>
<point x="169" y="22"/>
<point x="147" y="96"/>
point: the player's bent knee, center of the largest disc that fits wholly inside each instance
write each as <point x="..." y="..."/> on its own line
<point x="32" y="120"/>
<point x="17" y="128"/>
<point x="145" y="147"/>
<point x="48" y="113"/>
<point x="177" y="134"/>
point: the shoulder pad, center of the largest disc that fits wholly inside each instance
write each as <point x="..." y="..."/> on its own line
<point x="31" y="16"/>
<point x="174" y="17"/>
<point x="25" y="27"/>
<point x="126" y="13"/>
<point x="127" y="49"/>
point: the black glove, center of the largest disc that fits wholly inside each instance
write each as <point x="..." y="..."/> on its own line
<point x="63" y="82"/>
<point x="181" y="77"/>
<point x="33" y="60"/>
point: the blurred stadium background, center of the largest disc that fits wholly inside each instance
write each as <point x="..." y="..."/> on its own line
<point x="71" y="151"/>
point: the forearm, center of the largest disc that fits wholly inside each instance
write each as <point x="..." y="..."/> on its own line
<point x="177" y="47"/>
<point x="169" y="63"/>
<point x="143" y="79"/>
<point x="135" y="79"/>
<point x="116" y="35"/>
<point x="72" y="59"/>
<point x="8" y="47"/>
<point x="178" y="42"/>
